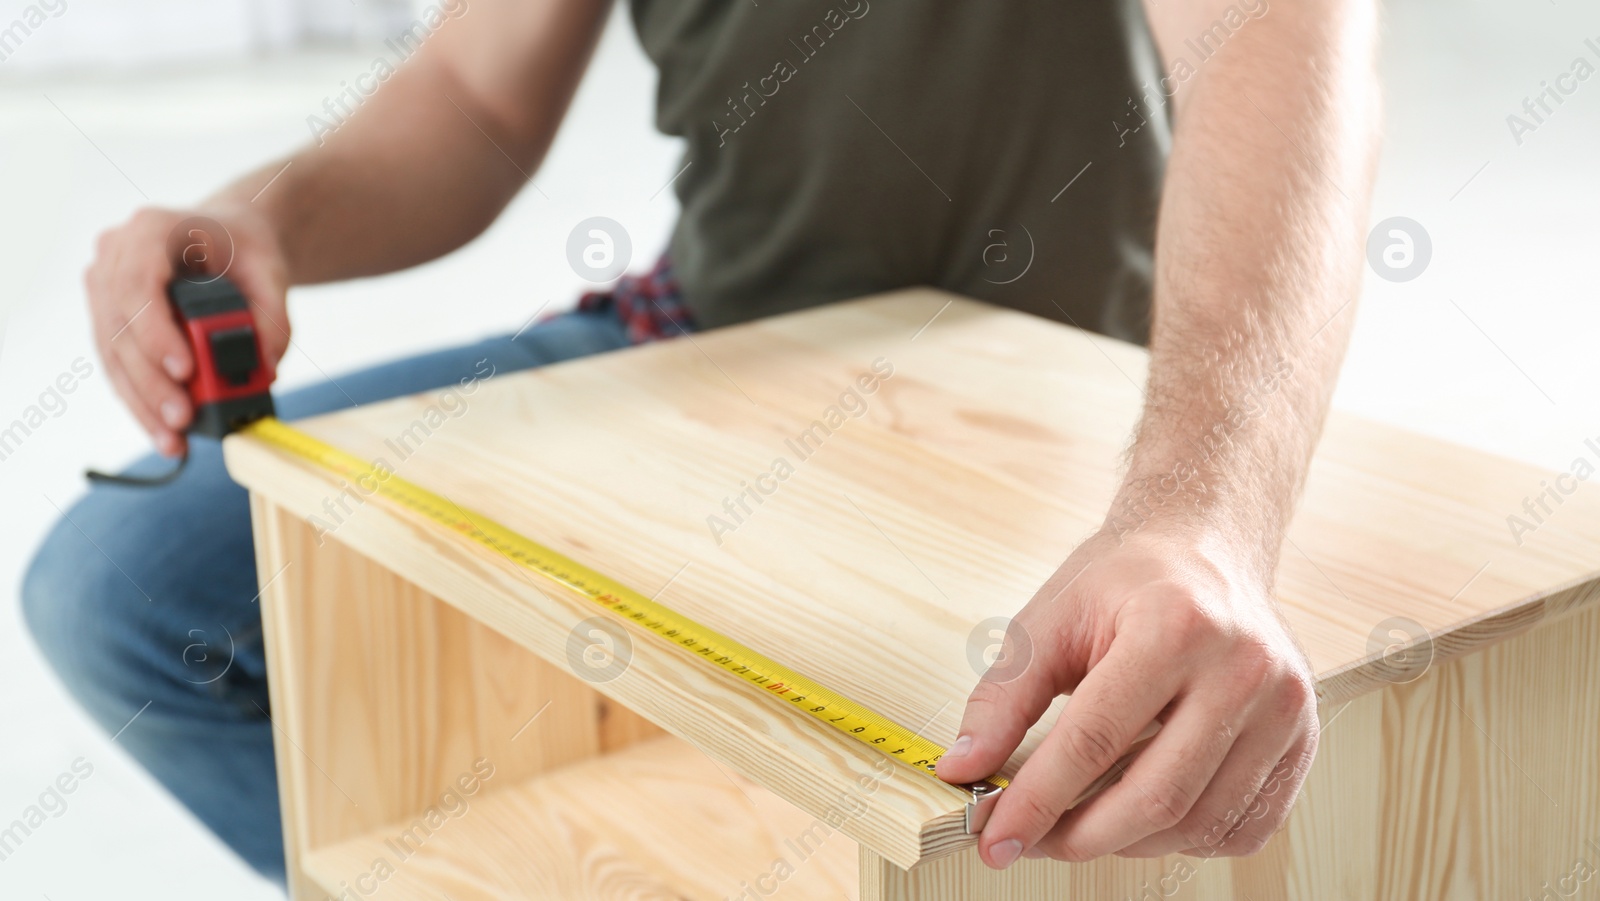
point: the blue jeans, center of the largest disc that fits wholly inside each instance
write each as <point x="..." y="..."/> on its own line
<point x="144" y="599"/>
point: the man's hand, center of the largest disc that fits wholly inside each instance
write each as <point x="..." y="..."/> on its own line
<point x="420" y="168"/>
<point x="1159" y="626"/>
<point x="139" y="340"/>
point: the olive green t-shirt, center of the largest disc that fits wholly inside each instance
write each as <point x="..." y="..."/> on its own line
<point x="836" y="148"/>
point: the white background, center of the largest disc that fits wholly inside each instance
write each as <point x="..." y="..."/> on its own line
<point x="1492" y="346"/>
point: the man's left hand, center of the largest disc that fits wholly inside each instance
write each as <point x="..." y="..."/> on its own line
<point x="1161" y="625"/>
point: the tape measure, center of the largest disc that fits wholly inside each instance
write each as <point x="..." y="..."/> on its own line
<point x="777" y="680"/>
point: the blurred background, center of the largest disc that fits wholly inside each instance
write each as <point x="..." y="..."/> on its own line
<point x="107" y="106"/>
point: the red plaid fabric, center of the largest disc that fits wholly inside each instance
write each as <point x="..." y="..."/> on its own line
<point x="649" y="305"/>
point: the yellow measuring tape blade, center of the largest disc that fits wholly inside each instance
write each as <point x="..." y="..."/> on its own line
<point x="779" y="681"/>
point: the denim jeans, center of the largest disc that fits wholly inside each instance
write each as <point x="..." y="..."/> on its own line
<point x="144" y="599"/>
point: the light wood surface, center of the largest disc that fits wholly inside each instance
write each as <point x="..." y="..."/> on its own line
<point x="1472" y="781"/>
<point x="658" y="821"/>
<point x="1477" y="780"/>
<point x="976" y="466"/>
<point x="384" y="699"/>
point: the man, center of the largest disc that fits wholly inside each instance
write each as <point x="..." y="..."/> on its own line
<point x="835" y="151"/>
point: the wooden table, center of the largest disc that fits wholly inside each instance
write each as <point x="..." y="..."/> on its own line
<point x="433" y="741"/>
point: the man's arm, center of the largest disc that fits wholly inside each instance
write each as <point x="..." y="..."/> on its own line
<point x="429" y="161"/>
<point x="422" y="167"/>
<point x="1167" y="613"/>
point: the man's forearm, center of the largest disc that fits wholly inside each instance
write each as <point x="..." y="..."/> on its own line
<point x="436" y="153"/>
<point x="1257" y="269"/>
<point x="394" y="187"/>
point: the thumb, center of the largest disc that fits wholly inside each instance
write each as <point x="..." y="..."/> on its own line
<point x="1007" y="701"/>
<point x="243" y="247"/>
<point x="262" y="285"/>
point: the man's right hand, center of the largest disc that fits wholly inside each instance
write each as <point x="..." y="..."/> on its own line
<point x="140" y="343"/>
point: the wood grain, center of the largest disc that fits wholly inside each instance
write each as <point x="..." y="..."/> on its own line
<point x="659" y="821"/>
<point x="384" y="699"/>
<point x="968" y="475"/>
<point x="1477" y="780"/>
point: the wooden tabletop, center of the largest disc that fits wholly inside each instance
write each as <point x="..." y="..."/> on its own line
<point x="857" y="490"/>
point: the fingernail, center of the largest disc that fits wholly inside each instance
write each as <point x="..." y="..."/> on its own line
<point x="174" y="366"/>
<point x="172" y="412"/>
<point x="961" y="748"/>
<point x="1034" y="854"/>
<point x="1005" y="853"/>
